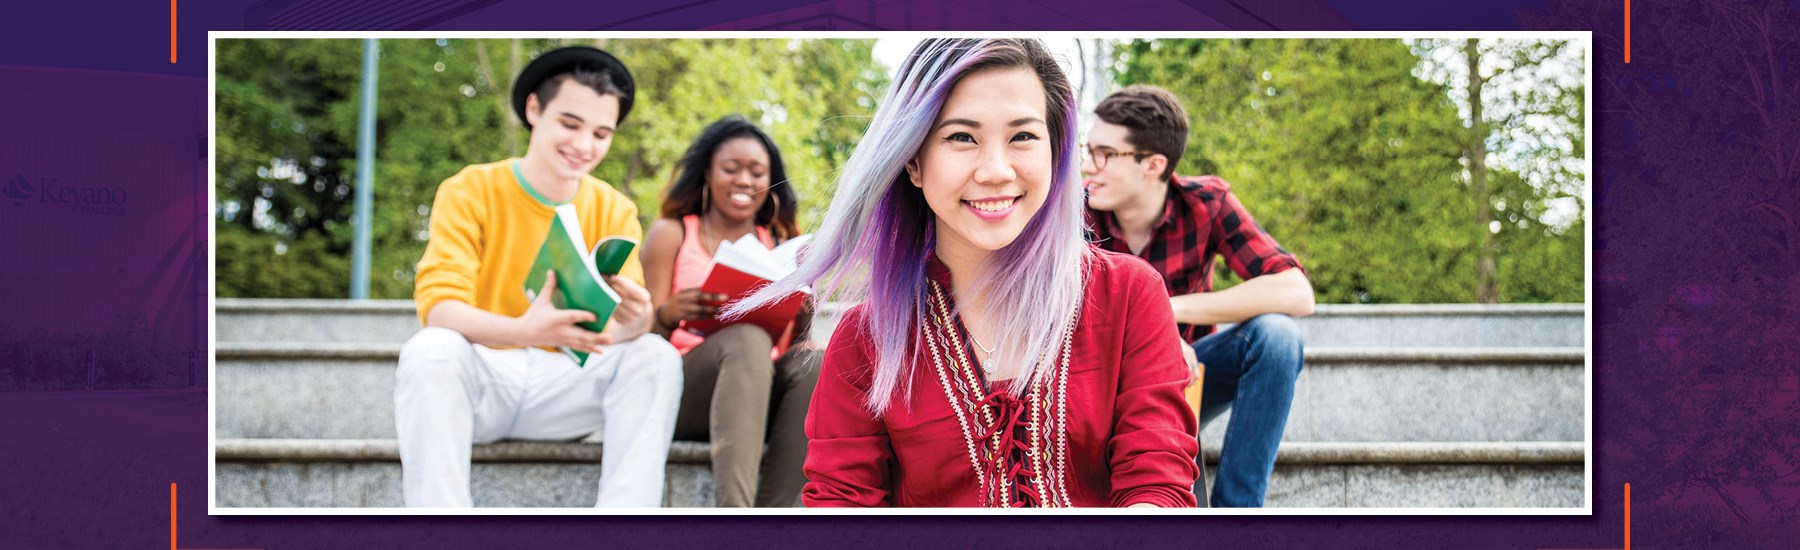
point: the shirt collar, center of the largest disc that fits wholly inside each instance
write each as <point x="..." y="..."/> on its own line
<point x="1171" y="201"/>
<point x="936" y="270"/>
<point x="1171" y="211"/>
<point x="519" y="175"/>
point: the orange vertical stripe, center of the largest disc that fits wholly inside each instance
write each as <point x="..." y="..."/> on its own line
<point x="1628" y="485"/>
<point x="171" y="516"/>
<point x="1628" y="51"/>
<point x="172" y="31"/>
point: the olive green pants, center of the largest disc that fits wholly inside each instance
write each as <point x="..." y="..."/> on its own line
<point x="738" y="399"/>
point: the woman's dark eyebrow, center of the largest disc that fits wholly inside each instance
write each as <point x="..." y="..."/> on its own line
<point x="973" y="124"/>
<point x="961" y="121"/>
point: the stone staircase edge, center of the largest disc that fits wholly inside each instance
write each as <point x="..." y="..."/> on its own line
<point x="689" y="452"/>
<point x="245" y="351"/>
<point x="304" y="305"/>
<point x="388" y="450"/>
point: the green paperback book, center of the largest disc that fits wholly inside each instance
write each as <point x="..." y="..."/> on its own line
<point x="578" y="272"/>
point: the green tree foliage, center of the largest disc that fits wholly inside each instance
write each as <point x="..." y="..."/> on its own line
<point x="1539" y="260"/>
<point x="814" y="97"/>
<point x="1351" y="152"/>
<point x="286" y="136"/>
<point x="1533" y="110"/>
<point x="1354" y="163"/>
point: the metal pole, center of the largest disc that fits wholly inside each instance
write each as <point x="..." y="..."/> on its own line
<point x="365" y="176"/>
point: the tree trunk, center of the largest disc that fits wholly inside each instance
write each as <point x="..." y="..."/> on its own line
<point x="632" y="167"/>
<point x="1487" y="289"/>
<point x="501" y="95"/>
<point x="512" y="141"/>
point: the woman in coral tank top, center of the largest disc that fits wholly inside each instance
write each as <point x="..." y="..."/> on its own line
<point x="742" y="387"/>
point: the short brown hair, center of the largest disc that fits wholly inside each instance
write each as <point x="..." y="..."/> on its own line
<point x="1157" y="122"/>
<point x="601" y="81"/>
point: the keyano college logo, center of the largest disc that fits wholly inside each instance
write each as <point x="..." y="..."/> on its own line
<point x="86" y="201"/>
<point x="18" y="190"/>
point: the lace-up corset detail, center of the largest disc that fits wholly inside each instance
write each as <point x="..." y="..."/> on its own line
<point x="1018" y="446"/>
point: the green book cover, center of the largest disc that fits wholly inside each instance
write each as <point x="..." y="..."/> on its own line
<point x="610" y="254"/>
<point x="578" y="272"/>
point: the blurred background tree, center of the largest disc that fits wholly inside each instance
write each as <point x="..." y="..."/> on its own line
<point x="1353" y="156"/>
<point x="286" y="126"/>
<point x="1353" y="153"/>
<point x="1523" y="110"/>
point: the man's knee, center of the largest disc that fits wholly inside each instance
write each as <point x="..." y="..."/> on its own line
<point x="432" y="353"/>
<point x="651" y="360"/>
<point x="1277" y="341"/>
<point x="1274" y="329"/>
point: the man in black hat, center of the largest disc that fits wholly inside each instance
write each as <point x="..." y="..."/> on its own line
<point x="485" y="368"/>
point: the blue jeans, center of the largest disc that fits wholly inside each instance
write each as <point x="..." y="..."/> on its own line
<point x="1250" y="368"/>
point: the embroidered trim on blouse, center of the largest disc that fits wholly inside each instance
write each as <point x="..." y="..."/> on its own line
<point x="1018" y="448"/>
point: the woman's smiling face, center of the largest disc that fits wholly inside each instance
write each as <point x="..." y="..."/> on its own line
<point x="738" y="178"/>
<point x="986" y="165"/>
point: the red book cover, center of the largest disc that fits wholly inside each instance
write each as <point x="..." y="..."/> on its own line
<point x="773" y="318"/>
<point x="739" y="269"/>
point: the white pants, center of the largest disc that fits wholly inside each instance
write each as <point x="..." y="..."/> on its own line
<point x="452" y="394"/>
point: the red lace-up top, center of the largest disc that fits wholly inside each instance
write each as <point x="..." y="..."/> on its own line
<point x="1107" y="426"/>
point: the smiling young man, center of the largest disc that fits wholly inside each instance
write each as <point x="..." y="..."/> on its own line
<point x="1137" y="205"/>
<point x="484" y="367"/>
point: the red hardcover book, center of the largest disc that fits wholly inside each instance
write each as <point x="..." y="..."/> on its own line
<point x="739" y="269"/>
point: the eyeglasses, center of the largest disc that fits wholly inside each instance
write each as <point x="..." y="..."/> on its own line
<point x="1099" y="157"/>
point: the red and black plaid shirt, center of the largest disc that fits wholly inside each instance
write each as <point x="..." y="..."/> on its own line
<point x="1201" y="219"/>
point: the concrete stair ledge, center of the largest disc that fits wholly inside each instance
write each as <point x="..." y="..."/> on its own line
<point x="1427" y="405"/>
<point x="388" y="450"/>
<point x="1384" y="325"/>
<point x="691" y="452"/>
<point x="358" y="351"/>
<point x="281" y="390"/>
<point x="256" y="473"/>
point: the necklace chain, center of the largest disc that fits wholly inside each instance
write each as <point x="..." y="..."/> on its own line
<point x="987" y="359"/>
<point x="988" y="350"/>
<point x="706" y="239"/>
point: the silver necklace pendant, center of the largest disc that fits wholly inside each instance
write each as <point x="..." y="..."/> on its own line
<point x="987" y="362"/>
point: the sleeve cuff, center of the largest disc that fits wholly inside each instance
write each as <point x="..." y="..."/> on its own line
<point x="1160" y="496"/>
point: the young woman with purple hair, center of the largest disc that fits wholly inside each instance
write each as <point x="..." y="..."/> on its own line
<point x="995" y="359"/>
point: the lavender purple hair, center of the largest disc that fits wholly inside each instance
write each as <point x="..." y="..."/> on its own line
<point x="873" y="244"/>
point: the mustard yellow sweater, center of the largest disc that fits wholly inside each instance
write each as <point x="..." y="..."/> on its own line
<point x="486" y="228"/>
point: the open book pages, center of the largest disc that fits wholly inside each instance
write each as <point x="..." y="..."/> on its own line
<point x="740" y="268"/>
<point x="748" y="255"/>
<point x="578" y="272"/>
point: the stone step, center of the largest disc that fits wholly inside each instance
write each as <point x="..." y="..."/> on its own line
<point x="1336" y="325"/>
<point x="1446" y="325"/>
<point x="1344" y="394"/>
<point x="259" y="473"/>
<point x="1434" y="394"/>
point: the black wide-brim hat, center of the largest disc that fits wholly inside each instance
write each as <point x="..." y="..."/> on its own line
<point x="562" y="60"/>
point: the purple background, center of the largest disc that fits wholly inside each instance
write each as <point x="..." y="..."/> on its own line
<point x="1697" y="152"/>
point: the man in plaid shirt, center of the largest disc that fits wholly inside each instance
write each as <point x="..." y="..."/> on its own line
<point x="1137" y="205"/>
